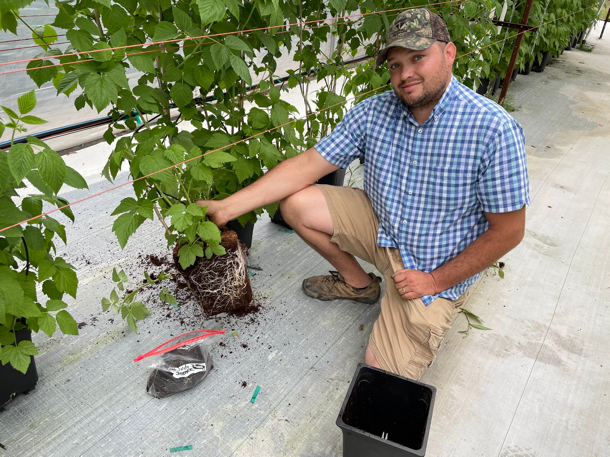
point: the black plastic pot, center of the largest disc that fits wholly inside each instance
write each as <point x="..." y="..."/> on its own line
<point x="496" y="85"/>
<point x="379" y="403"/>
<point x="528" y="67"/>
<point x="14" y="382"/>
<point x="243" y="233"/>
<point x="482" y="89"/>
<point x="279" y="219"/>
<point x="514" y="75"/>
<point x="335" y="178"/>
<point x="539" y="66"/>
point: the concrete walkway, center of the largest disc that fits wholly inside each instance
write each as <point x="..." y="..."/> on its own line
<point x="537" y="385"/>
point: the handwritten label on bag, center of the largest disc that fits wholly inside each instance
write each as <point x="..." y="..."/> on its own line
<point x="185" y="371"/>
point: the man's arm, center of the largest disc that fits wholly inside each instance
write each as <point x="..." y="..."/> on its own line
<point x="287" y="178"/>
<point x="505" y="231"/>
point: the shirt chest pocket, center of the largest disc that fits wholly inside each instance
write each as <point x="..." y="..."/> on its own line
<point x="449" y="187"/>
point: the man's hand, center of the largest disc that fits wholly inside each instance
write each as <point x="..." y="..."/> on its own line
<point x="414" y="284"/>
<point x="215" y="211"/>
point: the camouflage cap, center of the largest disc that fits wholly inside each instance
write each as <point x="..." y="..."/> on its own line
<point x="416" y="29"/>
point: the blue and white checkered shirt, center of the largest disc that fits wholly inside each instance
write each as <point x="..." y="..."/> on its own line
<point x="430" y="184"/>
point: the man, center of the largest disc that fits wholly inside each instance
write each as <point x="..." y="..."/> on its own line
<point x="444" y="196"/>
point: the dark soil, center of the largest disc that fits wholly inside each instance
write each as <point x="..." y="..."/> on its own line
<point x="218" y="271"/>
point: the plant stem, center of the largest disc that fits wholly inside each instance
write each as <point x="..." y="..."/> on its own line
<point x="158" y="213"/>
<point x="31" y="29"/>
<point x="96" y="13"/>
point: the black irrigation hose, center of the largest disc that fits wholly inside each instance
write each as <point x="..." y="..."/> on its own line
<point x="108" y="119"/>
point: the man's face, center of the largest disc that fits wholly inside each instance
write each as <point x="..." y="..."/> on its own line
<point x="419" y="78"/>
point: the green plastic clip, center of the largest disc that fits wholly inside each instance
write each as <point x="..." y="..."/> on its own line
<point x="256" y="391"/>
<point x="285" y="230"/>
<point x="181" y="448"/>
<point x="176" y="306"/>
<point x="251" y="274"/>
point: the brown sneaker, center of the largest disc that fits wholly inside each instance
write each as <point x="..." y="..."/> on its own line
<point x="333" y="287"/>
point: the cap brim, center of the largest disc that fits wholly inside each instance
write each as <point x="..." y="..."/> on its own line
<point x="414" y="44"/>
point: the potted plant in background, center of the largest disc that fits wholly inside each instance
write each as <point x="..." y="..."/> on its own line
<point x="33" y="280"/>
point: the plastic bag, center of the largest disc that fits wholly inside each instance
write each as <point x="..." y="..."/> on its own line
<point x="180" y="366"/>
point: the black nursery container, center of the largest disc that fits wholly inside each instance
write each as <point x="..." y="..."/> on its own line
<point x="385" y="415"/>
<point x="541" y="65"/>
<point x="14" y="382"/>
<point x="243" y="233"/>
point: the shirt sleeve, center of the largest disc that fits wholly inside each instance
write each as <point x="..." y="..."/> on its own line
<point x="347" y="142"/>
<point x="503" y="183"/>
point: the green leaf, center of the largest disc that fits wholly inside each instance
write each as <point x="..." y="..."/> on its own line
<point x="66" y="281"/>
<point x="117" y="75"/>
<point x="188" y="254"/>
<point x="44" y="36"/>
<point x="10" y="113"/>
<point x="155" y="162"/>
<point x="128" y="204"/>
<point x="194" y="209"/>
<point x="139" y="310"/>
<point x="165" y="31"/>
<point x="55" y="227"/>
<point x="80" y="39"/>
<point x="52" y="169"/>
<point x="480" y="327"/>
<point x="243" y="168"/>
<point x="279" y="114"/>
<point x="101" y="56"/>
<point x="19" y="357"/>
<point x="33" y="238"/>
<point x="21" y="160"/>
<point x="208" y="231"/>
<point x="258" y="118"/>
<point x="220" y="55"/>
<point x="182" y="221"/>
<point x="182" y="20"/>
<point x="125" y="226"/>
<point x="175" y="153"/>
<point x="339" y="5"/>
<point x="142" y="62"/>
<point x="172" y="74"/>
<point x="237" y="44"/>
<point x="105" y="304"/>
<point x="74" y="179"/>
<point x="66" y="323"/>
<point x="240" y="67"/>
<point x="41" y="71"/>
<point x="204" y="77"/>
<point x="267" y="41"/>
<point x="101" y="91"/>
<point x="182" y="94"/>
<point x="47" y="323"/>
<point x="218" y="250"/>
<point x="67" y="82"/>
<point x="87" y="25"/>
<point x="202" y="173"/>
<point x="233" y="7"/>
<point x="32" y="120"/>
<point x="107" y="4"/>
<point x="56" y="305"/>
<point x="27" y="102"/>
<point x="211" y="11"/>
<point x="218" y="158"/>
<point x="145" y="209"/>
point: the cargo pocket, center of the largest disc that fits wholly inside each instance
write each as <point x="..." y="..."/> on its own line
<point x="425" y="353"/>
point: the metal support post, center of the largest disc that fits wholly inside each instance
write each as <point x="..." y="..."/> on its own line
<point x="513" y="58"/>
<point x="605" y="22"/>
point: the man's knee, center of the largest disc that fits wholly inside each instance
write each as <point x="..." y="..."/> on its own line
<point x="370" y="359"/>
<point x="307" y="208"/>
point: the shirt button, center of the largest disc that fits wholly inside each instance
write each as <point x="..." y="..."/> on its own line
<point x="410" y="192"/>
<point x="402" y="247"/>
<point x="415" y="162"/>
<point x="435" y="117"/>
<point x="404" y="222"/>
<point x="420" y="130"/>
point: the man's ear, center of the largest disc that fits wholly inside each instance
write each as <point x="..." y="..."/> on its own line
<point x="450" y="52"/>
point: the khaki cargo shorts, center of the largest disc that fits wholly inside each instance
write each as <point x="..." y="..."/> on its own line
<point x="407" y="334"/>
